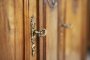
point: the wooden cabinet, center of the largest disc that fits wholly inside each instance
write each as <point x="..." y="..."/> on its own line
<point x="64" y="20"/>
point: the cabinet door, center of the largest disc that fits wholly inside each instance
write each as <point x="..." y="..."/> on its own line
<point x="65" y="24"/>
<point x="11" y="30"/>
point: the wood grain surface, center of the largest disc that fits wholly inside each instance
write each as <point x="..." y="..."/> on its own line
<point x="11" y="30"/>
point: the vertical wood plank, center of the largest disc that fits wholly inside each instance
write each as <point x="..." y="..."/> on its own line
<point x="7" y="47"/>
<point x="61" y="30"/>
<point x="51" y="38"/>
<point x="41" y="27"/>
<point x="19" y="38"/>
<point x="32" y="12"/>
<point x="85" y="29"/>
<point x="26" y="29"/>
<point x="73" y="35"/>
<point x="29" y="11"/>
<point x="11" y="31"/>
<point x="73" y="39"/>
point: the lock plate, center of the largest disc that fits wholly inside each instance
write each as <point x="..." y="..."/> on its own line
<point x="33" y="28"/>
<point x="35" y="33"/>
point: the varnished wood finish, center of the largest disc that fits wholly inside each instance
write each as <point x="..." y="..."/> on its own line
<point x="32" y="12"/>
<point x="65" y="49"/>
<point x="85" y="29"/>
<point x="27" y="30"/>
<point x="7" y="44"/>
<point x="51" y="37"/>
<point x="42" y="25"/>
<point x="60" y="43"/>
<point x="88" y="15"/>
<point x="29" y="11"/>
<point x="61" y="30"/>
<point x="11" y="30"/>
<point x="41" y="40"/>
<point x="75" y="34"/>
<point x="19" y="37"/>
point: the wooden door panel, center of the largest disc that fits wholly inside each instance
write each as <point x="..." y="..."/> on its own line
<point x="6" y="36"/>
<point x="19" y="35"/>
<point x="42" y="24"/>
<point x="30" y="10"/>
<point x="51" y="37"/>
<point x="32" y="13"/>
<point x="60" y="43"/>
<point x="61" y="30"/>
<point x="74" y="34"/>
<point x="11" y="30"/>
